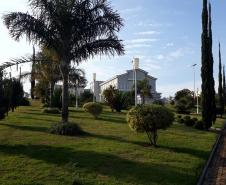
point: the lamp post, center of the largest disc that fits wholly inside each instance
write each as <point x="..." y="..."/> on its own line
<point x="135" y="67"/>
<point x="194" y="78"/>
<point x="197" y="95"/>
<point x="94" y="83"/>
<point x="76" y="94"/>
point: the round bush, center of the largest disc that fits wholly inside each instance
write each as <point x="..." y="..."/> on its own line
<point x="51" y="111"/>
<point x="199" y="125"/>
<point x="68" y="129"/>
<point x="25" y="102"/>
<point x="195" y="120"/>
<point x="2" y="113"/>
<point x="93" y="108"/>
<point x="179" y="116"/>
<point x="188" y="121"/>
<point x="187" y="117"/>
<point x="149" y="119"/>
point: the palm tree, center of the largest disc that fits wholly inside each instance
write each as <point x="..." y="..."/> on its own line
<point x="144" y="89"/>
<point x="75" y="29"/>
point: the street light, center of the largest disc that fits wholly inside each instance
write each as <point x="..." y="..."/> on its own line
<point x="76" y="93"/>
<point x="193" y="66"/>
<point x="197" y="95"/>
<point x="94" y="83"/>
<point x="135" y="67"/>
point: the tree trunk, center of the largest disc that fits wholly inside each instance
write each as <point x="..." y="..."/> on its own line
<point x="65" y="95"/>
<point x="51" y="94"/>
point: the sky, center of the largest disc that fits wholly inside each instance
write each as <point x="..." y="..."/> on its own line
<point x="164" y="34"/>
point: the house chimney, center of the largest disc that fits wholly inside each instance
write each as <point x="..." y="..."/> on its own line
<point x="136" y="62"/>
<point x="94" y="77"/>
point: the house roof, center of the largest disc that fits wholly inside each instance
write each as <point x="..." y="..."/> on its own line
<point x="151" y="77"/>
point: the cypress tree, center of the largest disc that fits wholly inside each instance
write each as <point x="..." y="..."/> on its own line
<point x="224" y="86"/>
<point x="211" y="62"/>
<point x="208" y="101"/>
<point x="220" y="88"/>
<point x="33" y="75"/>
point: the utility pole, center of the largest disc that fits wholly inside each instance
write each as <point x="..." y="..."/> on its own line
<point x="194" y="65"/>
<point x="94" y="83"/>
<point x="135" y="67"/>
<point x="197" y="96"/>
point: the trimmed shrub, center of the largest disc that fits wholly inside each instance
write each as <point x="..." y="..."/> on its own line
<point x="199" y="125"/>
<point x="57" y="98"/>
<point x="2" y="113"/>
<point x="25" y="102"/>
<point x="68" y="129"/>
<point x="179" y="116"/>
<point x="93" y="108"/>
<point x="182" y="121"/>
<point x="195" y="119"/>
<point x="187" y="117"/>
<point x="51" y="111"/>
<point x="184" y="105"/>
<point x="189" y="122"/>
<point x="149" y="119"/>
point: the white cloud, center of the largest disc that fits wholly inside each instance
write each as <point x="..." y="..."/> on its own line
<point x="138" y="41"/>
<point x="131" y="10"/>
<point x="132" y="46"/>
<point x="170" y="44"/>
<point x="147" y="33"/>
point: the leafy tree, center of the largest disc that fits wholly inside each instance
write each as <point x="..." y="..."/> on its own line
<point x="17" y="94"/>
<point x="120" y="101"/>
<point x="184" y="105"/>
<point x="208" y="93"/>
<point x="76" y="30"/>
<point x="149" y="119"/>
<point x="144" y="89"/>
<point x="3" y="108"/>
<point x="220" y="88"/>
<point x="109" y="95"/>
<point x="183" y="93"/>
<point x="86" y="97"/>
<point x="93" y="108"/>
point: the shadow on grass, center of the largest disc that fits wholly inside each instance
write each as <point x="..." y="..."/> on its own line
<point x="104" y="164"/>
<point x="194" y="152"/>
<point x="27" y="128"/>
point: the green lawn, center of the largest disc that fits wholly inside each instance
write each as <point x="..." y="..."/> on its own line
<point x="111" y="154"/>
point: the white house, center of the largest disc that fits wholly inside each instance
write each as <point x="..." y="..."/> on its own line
<point x="125" y="82"/>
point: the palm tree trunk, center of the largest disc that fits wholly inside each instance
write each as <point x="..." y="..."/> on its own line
<point x="65" y="95"/>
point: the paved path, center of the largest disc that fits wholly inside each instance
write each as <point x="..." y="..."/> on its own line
<point x="216" y="174"/>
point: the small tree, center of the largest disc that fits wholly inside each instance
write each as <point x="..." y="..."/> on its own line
<point x="93" y="108"/>
<point x="17" y="94"/>
<point x="86" y="97"/>
<point x="183" y="93"/>
<point x="120" y="101"/>
<point x="144" y="89"/>
<point x="149" y="119"/>
<point x="109" y="95"/>
<point x="184" y="105"/>
<point x="3" y="108"/>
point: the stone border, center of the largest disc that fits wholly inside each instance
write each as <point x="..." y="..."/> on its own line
<point x="204" y="171"/>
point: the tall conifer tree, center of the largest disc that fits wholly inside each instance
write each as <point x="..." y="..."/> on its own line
<point x="208" y="92"/>
<point x="224" y="86"/>
<point x="220" y="88"/>
<point x="211" y="62"/>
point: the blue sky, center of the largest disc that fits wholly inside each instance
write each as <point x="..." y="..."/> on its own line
<point x="164" y="34"/>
